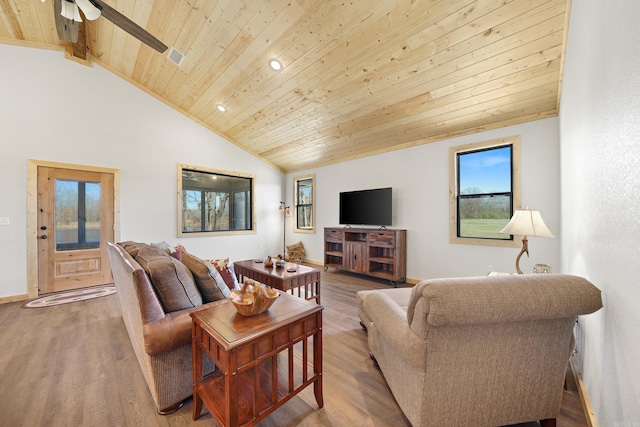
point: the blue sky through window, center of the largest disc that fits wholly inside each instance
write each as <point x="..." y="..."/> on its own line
<point x="488" y="170"/>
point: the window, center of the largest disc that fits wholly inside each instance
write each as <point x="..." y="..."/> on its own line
<point x="484" y="188"/>
<point x="214" y="201"/>
<point x="304" y="187"/>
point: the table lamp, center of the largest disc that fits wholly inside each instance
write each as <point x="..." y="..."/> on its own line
<point x="526" y="222"/>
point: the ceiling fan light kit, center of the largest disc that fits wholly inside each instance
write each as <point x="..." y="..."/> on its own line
<point x="92" y="10"/>
<point x="70" y="11"/>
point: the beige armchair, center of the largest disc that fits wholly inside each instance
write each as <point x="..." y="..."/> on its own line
<point x="484" y="351"/>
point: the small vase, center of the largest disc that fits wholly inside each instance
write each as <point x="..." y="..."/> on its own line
<point x="541" y="268"/>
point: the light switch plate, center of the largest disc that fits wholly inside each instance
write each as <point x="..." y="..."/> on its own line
<point x="4" y="220"/>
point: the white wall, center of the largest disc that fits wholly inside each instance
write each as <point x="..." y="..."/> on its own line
<point x="600" y="160"/>
<point x="420" y="180"/>
<point x="52" y="109"/>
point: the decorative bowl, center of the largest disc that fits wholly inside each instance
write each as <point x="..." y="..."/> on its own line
<point x="253" y="298"/>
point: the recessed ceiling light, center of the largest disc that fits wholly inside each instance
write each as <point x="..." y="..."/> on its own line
<point x="221" y="108"/>
<point x="275" y="64"/>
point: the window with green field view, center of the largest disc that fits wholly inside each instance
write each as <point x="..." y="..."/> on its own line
<point x="214" y="202"/>
<point x="485" y="182"/>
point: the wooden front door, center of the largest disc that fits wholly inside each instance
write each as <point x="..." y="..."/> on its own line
<point x="75" y="222"/>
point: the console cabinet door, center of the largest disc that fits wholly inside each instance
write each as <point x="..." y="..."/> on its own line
<point x="356" y="257"/>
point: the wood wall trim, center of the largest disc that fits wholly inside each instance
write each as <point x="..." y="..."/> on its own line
<point x="516" y="189"/>
<point x="589" y="415"/>
<point x="13" y="298"/>
<point x="563" y="53"/>
<point x="32" y="213"/>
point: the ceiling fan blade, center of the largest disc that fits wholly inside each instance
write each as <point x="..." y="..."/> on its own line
<point x="90" y="11"/>
<point x="67" y="29"/>
<point x="129" y="26"/>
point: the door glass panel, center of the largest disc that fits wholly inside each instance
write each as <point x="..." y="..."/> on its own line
<point x="77" y="215"/>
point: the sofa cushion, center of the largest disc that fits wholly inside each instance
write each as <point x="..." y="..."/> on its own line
<point x="209" y="281"/>
<point x="172" y="280"/>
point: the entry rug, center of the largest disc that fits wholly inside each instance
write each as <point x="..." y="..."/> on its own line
<point x="70" y="296"/>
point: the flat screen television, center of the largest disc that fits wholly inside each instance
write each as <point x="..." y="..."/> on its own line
<point x="366" y="207"/>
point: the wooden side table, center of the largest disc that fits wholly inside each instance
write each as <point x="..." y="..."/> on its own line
<point x="256" y="370"/>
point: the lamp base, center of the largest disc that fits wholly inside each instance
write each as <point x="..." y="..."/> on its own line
<point x="525" y="249"/>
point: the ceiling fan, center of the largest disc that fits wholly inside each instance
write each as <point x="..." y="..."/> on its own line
<point x="67" y="16"/>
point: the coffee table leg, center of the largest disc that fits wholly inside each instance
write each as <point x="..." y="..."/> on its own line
<point x="317" y="362"/>
<point x="317" y="390"/>
<point x="197" y="406"/>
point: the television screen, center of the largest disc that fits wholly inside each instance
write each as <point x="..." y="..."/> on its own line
<point x="366" y="207"/>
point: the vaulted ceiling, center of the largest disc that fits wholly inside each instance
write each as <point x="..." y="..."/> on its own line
<point x="360" y="77"/>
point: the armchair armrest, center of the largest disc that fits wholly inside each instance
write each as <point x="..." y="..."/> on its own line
<point x="390" y="322"/>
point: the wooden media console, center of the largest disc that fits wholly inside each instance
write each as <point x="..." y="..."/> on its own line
<point x="379" y="253"/>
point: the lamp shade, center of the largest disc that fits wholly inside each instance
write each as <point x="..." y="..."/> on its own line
<point x="525" y="222"/>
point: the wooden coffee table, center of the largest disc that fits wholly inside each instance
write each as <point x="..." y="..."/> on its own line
<point x="303" y="283"/>
<point x="256" y="369"/>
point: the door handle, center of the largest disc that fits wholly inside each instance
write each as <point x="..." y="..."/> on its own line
<point x="44" y="227"/>
<point x="43" y="237"/>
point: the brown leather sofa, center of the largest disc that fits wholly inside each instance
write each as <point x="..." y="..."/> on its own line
<point x="483" y="351"/>
<point x="161" y="339"/>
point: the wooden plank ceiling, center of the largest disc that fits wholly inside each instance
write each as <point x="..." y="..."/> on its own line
<point x="360" y="77"/>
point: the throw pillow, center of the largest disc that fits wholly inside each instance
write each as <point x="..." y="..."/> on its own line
<point x="172" y="280"/>
<point x="226" y="271"/>
<point x="174" y="251"/>
<point x="148" y="251"/>
<point x="163" y="246"/>
<point x="177" y="252"/>
<point x="208" y="280"/>
<point x="133" y="247"/>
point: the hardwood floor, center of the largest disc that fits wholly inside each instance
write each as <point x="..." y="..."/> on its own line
<point x="73" y="365"/>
